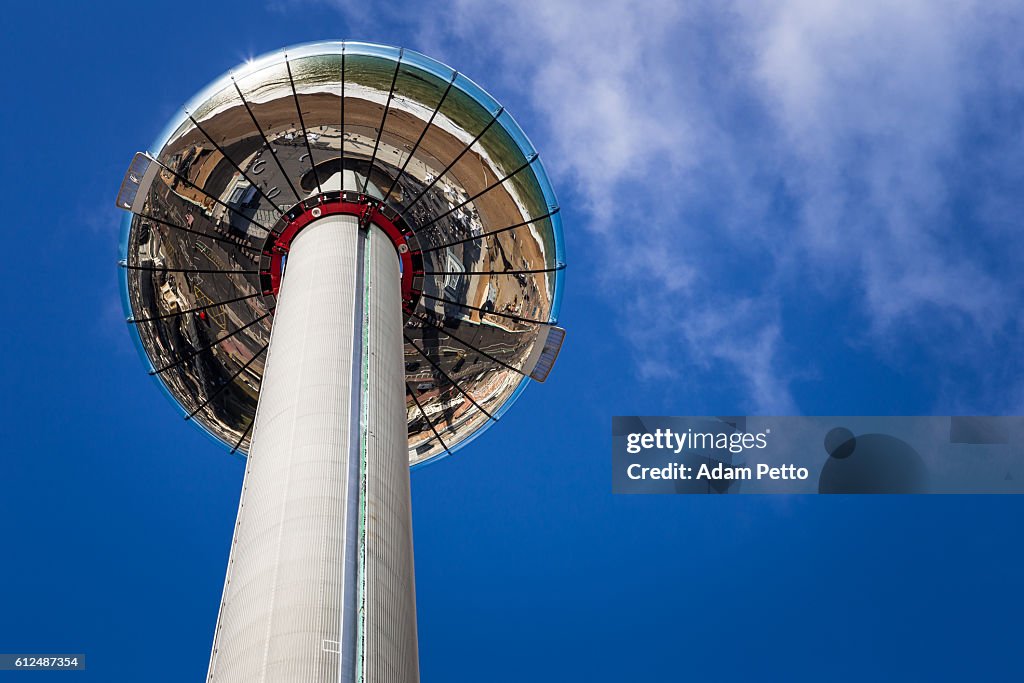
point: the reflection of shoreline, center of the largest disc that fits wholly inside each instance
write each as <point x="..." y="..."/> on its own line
<point x="511" y="158"/>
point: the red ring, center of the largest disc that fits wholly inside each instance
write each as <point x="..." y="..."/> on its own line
<point x="367" y="210"/>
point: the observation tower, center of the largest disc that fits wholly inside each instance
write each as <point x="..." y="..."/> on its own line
<point x="341" y="260"/>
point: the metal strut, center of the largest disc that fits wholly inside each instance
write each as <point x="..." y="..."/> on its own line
<point x="423" y="133"/>
<point x="468" y="345"/>
<point x="134" y="320"/>
<point x="424" y="414"/>
<point x="189" y="270"/>
<point x="560" y="266"/>
<point x="384" y="118"/>
<point x="305" y="136"/>
<point x="265" y="140"/>
<point x="533" y="157"/>
<point x="218" y="238"/>
<point x="476" y="308"/>
<point x="207" y="347"/>
<point x="244" y="434"/>
<point x="215" y="199"/>
<point x="448" y="377"/>
<point x="449" y="167"/>
<point x="236" y="166"/>
<point x="226" y="384"/>
<point x="549" y="214"/>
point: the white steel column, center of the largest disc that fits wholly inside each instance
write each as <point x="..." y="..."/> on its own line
<point x="319" y="587"/>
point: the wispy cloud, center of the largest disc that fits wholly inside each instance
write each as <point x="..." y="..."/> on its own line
<point x="100" y="222"/>
<point x="735" y="158"/>
<point x="872" y="104"/>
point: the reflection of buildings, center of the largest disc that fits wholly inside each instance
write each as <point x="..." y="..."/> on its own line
<point x="455" y="269"/>
<point x="171" y="297"/>
<point x="243" y="195"/>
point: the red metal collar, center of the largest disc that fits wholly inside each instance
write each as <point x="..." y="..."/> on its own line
<point x="369" y="211"/>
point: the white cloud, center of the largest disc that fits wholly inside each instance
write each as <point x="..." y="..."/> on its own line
<point x="865" y="151"/>
<point x="624" y="91"/>
<point x="872" y="103"/>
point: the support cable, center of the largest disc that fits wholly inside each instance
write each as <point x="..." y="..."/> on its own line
<point x="560" y="266"/>
<point x="341" y="144"/>
<point x="226" y="384"/>
<point x="192" y="310"/>
<point x="383" y="119"/>
<point x="236" y="166"/>
<point x="207" y="347"/>
<point x="468" y="345"/>
<point x="449" y="167"/>
<point x="533" y="157"/>
<point x="305" y="134"/>
<point x="475" y="308"/>
<point x="215" y="199"/>
<point x="424" y="414"/>
<point x="244" y="434"/>
<point x="448" y="377"/>
<point x="266" y="141"/>
<point x="549" y="214"/>
<point x="218" y="238"/>
<point x="190" y="270"/>
<point x="423" y="133"/>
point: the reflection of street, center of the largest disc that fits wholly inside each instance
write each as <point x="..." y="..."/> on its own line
<point x="185" y="334"/>
<point x="227" y="183"/>
<point x="216" y="316"/>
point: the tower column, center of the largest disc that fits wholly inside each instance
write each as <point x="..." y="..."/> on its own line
<point x="320" y="583"/>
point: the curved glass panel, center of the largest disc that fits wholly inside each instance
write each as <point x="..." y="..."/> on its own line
<point x="453" y="170"/>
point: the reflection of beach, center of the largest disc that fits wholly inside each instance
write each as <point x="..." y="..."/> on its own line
<point x="472" y="174"/>
<point x="231" y="126"/>
<point x="363" y="109"/>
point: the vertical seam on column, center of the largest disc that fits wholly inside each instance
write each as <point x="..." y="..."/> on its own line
<point x="366" y="275"/>
<point x="347" y="641"/>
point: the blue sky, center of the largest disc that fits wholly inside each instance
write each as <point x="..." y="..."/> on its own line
<point x="793" y="207"/>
